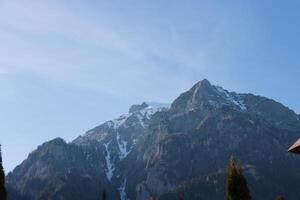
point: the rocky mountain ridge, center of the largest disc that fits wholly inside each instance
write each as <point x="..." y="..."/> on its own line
<point x="156" y="150"/>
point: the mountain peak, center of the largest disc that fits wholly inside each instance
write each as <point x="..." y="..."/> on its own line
<point x="56" y="141"/>
<point x="202" y="84"/>
<point x="152" y="105"/>
<point x="138" y="107"/>
<point x="202" y="87"/>
<point x="204" y="95"/>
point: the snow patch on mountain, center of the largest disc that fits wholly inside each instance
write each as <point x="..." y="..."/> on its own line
<point x="142" y="114"/>
<point x="236" y="100"/>
<point x="120" y="121"/>
<point x="122" y="144"/>
<point x="251" y="121"/>
<point x="141" y="119"/>
<point x="110" y="167"/>
<point x="158" y="106"/>
<point x="122" y="190"/>
<point x="153" y="108"/>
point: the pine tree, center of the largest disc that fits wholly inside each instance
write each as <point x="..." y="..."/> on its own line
<point x="104" y="195"/>
<point x="3" y="194"/>
<point x="236" y="185"/>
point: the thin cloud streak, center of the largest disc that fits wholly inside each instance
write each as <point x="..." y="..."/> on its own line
<point x="79" y="45"/>
<point x="92" y="52"/>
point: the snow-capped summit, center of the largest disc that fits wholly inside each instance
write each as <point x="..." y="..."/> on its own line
<point x="142" y="112"/>
<point x="138" y="116"/>
<point x="154" y="106"/>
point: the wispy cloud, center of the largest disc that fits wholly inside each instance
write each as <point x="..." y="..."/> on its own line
<point x="74" y="48"/>
<point x="71" y="48"/>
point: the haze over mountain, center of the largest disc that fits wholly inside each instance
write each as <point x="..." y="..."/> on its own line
<point x="163" y="151"/>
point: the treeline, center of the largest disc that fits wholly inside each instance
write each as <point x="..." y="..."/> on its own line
<point x="236" y="185"/>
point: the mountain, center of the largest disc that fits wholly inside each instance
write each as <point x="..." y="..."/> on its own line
<point x="168" y="151"/>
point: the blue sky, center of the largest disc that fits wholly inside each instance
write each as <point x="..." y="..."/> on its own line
<point x="66" y="66"/>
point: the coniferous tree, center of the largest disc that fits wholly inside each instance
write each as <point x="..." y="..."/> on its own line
<point x="103" y="196"/>
<point x="236" y="185"/>
<point x="3" y="194"/>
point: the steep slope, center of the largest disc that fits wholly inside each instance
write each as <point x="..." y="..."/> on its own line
<point x="87" y="166"/>
<point x="59" y="169"/>
<point x="206" y="125"/>
<point x="161" y="151"/>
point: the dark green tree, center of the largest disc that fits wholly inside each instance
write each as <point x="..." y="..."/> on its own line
<point x="236" y="184"/>
<point x="103" y="195"/>
<point x="3" y="194"/>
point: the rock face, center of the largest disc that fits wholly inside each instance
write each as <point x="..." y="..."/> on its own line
<point x="161" y="151"/>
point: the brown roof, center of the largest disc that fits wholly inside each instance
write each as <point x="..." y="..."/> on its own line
<point x="295" y="148"/>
